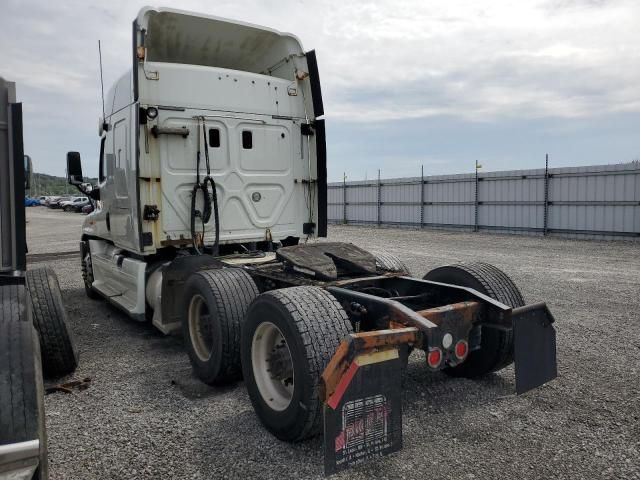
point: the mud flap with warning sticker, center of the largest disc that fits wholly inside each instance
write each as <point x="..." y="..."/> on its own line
<point x="363" y="417"/>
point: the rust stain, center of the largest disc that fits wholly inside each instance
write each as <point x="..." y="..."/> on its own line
<point x="356" y="344"/>
<point x="464" y="310"/>
<point x="393" y="325"/>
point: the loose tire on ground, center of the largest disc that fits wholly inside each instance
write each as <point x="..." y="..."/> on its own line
<point x="312" y="324"/>
<point x="215" y="303"/>
<point x="496" y="346"/>
<point x="87" y="271"/>
<point x="21" y="388"/>
<point x="59" y="354"/>
<point x="390" y="263"/>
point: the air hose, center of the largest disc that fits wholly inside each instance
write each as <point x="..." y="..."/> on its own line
<point x="210" y="201"/>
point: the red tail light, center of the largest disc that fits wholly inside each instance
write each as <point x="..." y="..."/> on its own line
<point x="434" y="358"/>
<point x="462" y="348"/>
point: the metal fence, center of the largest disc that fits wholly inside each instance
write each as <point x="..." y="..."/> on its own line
<point x="601" y="201"/>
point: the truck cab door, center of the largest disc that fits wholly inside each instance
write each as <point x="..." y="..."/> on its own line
<point x="118" y="194"/>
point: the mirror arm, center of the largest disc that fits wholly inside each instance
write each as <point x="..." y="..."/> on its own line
<point x="93" y="194"/>
<point x="81" y="188"/>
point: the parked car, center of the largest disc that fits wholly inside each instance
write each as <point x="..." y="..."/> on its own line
<point x="56" y="203"/>
<point x="42" y="199"/>
<point x="31" y="202"/>
<point x="50" y="199"/>
<point x="74" y="205"/>
<point x="87" y="209"/>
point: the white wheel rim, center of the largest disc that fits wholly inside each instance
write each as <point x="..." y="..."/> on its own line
<point x="199" y="328"/>
<point x="272" y="366"/>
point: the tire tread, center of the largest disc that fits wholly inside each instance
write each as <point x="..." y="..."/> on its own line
<point x="233" y="290"/>
<point x="390" y="263"/>
<point x="499" y="286"/>
<point x="13" y="303"/>
<point x="322" y="324"/>
<point x="59" y="355"/>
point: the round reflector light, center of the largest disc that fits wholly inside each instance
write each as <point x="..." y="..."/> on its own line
<point x="461" y="349"/>
<point x="434" y="357"/>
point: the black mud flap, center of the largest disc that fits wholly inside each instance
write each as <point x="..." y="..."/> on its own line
<point x="534" y="346"/>
<point x="363" y="418"/>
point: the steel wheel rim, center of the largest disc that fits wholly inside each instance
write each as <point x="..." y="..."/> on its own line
<point x="89" y="269"/>
<point x="272" y="366"/>
<point x="200" y="328"/>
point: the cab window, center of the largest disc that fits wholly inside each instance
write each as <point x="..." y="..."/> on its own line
<point x="102" y="174"/>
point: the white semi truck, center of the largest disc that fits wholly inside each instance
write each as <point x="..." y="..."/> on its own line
<point x="212" y="191"/>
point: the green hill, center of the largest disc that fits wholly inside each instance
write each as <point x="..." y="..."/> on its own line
<point x="43" y="184"/>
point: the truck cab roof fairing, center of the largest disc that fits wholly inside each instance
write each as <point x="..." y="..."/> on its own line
<point x="175" y="36"/>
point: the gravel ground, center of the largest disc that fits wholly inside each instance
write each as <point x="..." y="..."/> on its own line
<point x="146" y="416"/>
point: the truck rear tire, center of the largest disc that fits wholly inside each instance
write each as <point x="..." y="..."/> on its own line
<point x="287" y="341"/>
<point x="21" y="389"/>
<point x="496" y="346"/>
<point x="390" y="263"/>
<point x="215" y="303"/>
<point x="59" y="354"/>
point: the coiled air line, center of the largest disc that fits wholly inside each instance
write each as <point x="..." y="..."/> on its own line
<point x="209" y="200"/>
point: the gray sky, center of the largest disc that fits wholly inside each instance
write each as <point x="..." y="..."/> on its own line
<point x="406" y="82"/>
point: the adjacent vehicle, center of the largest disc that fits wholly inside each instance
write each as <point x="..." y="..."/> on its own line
<point x="74" y="205"/>
<point x="87" y="209"/>
<point x="34" y="339"/>
<point x="57" y="201"/>
<point x="212" y="191"/>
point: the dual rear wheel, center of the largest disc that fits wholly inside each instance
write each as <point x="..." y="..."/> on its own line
<point x="282" y="340"/>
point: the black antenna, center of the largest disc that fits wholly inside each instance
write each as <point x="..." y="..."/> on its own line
<point x="104" y="120"/>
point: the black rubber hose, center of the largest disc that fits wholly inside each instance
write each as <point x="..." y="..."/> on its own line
<point x="216" y="218"/>
<point x="210" y="206"/>
<point x="210" y="202"/>
<point x="194" y="214"/>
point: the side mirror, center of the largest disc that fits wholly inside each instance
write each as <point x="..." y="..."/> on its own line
<point x="28" y="169"/>
<point x="74" y="168"/>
